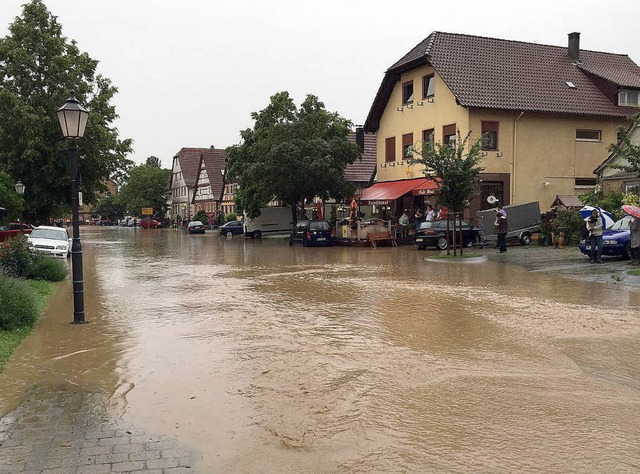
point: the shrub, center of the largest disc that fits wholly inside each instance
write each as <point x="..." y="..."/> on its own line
<point x="45" y="267"/>
<point x="19" y="306"/>
<point x="15" y="257"/>
<point x="230" y="217"/>
<point x="202" y="217"/>
<point x="568" y="221"/>
<point x="611" y="202"/>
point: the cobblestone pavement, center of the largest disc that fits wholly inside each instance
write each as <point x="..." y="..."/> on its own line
<point x="65" y="430"/>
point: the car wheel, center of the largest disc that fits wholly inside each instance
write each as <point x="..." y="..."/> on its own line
<point x="525" y="239"/>
<point x="442" y="243"/>
<point x="421" y="247"/>
<point x="257" y="234"/>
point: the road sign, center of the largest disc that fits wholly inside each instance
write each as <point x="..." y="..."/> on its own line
<point x="147" y="211"/>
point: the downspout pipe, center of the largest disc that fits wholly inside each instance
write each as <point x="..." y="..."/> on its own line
<point x="513" y="159"/>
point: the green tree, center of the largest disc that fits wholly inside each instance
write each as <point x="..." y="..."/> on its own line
<point x="110" y="206"/>
<point x="39" y="68"/>
<point x="626" y="149"/>
<point x="454" y="168"/>
<point x="291" y="154"/>
<point x="153" y="161"/>
<point x="9" y="198"/>
<point x="147" y="186"/>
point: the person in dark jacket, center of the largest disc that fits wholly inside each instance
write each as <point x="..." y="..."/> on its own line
<point x="501" y="229"/>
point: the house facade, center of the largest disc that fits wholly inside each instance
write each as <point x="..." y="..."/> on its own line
<point x="184" y="175"/>
<point x="611" y="178"/>
<point x="210" y="182"/>
<point x="546" y="114"/>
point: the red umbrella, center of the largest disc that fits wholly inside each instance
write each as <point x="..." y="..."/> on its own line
<point x="631" y="210"/>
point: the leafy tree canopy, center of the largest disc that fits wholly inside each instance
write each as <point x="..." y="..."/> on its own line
<point x="454" y="168"/>
<point x="39" y="68"/>
<point x="110" y="206"/>
<point x="147" y="186"/>
<point x="626" y="149"/>
<point x="9" y="198"/>
<point x="291" y="154"/>
<point x="153" y="161"/>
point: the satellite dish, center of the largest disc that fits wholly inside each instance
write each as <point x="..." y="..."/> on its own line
<point x="492" y="199"/>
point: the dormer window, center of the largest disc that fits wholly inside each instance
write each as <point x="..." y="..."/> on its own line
<point x="629" y="97"/>
<point x="407" y="92"/>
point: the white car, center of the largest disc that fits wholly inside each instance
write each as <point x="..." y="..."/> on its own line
<point x="51" y="240"/>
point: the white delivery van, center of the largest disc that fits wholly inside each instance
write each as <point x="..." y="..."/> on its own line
<point x="271" y="221"/>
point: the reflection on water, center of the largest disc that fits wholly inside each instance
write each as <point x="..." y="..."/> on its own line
<point x="271" y="358"/>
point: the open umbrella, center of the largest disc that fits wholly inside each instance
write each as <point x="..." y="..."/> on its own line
<point x="605" y="216"/>
<point x="631" y="210"/>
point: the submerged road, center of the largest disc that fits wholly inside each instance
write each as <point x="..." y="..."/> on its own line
<point x="214" y="354"/>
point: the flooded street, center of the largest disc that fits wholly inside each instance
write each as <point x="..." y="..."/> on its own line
<point x="260" y="357"/>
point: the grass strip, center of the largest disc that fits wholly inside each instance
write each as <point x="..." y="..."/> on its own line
<point x="9" y="340"/>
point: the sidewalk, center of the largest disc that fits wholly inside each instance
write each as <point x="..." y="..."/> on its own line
<point x="63" y="430"/>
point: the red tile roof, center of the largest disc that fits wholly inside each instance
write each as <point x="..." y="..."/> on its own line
<point x="214" y="162"/>
<point x="512" y="75"/>
<point x="363" y="170"/>
<point x="189" y="159"/>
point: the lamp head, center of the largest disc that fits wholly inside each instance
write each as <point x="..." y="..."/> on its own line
<point x="73" y="118"/>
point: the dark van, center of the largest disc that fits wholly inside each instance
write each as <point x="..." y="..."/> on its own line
<point x="311" y="233"/>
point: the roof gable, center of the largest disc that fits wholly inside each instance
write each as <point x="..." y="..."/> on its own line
<point x="512" y="75"/>
<point x="214" y="162"/>
<point x="189" y="159"/>
<point x="363" y="169"/>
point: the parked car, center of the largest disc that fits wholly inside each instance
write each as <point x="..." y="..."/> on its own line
<point x="434" y="234"/>
<point x="232" y="228"/>
<point x="311" y="233"/>
<point x="616" y="240"/>
<point x="51" y="240"/>
<point x="150" y="223"/>
<point x="105" y="222"/>
<point x="195" y="227"/>
<point x="14" y="229"/>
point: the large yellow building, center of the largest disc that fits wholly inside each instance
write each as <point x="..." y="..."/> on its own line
<point x="546" y="114"/>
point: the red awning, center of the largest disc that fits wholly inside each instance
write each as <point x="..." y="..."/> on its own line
<point x="381" y="194"/>
<point x="427" y="188"/>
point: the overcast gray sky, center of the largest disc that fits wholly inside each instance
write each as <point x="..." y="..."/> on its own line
<point x="190" y="72"/>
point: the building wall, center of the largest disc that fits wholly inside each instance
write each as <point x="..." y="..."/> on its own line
<point x="442" y="111"/>
<point x="549" y="158"/>
<point x="540" y="152"/>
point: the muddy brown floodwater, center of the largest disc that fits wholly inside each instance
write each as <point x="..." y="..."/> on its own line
<point x="260" y="357"/>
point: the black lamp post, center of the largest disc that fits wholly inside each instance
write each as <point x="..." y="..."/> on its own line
<point x="20" y="188"/>
<point x="73" y="121"/>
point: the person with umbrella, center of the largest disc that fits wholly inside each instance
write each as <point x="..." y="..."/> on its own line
<point x="594" y="226"/>
<point x="634" y="226"/>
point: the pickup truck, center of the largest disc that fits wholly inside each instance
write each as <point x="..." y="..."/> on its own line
<point x="13" y="229"/>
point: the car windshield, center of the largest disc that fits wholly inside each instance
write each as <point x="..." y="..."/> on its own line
<point x="194" y="223"/>
<point x="49" y="234"/>
<point x="319" y="225"/>
<point x="232" y="224"/>
<point x="622" y="224"/>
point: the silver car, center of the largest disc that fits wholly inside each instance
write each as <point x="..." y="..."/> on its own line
<point x="50" y="240"/>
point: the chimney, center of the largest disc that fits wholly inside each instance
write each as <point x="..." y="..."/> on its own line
<point x="574" y="46"/>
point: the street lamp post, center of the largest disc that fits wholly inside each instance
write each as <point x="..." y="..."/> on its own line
<point x="73" y="121"/>
<point x="20" y="189"/>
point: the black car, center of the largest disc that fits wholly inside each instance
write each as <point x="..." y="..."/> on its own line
<point x="232" y="228"/>
<point x="311" y="233"/>
<point x="195" y="227"/>
<point x="434" y="234"/>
